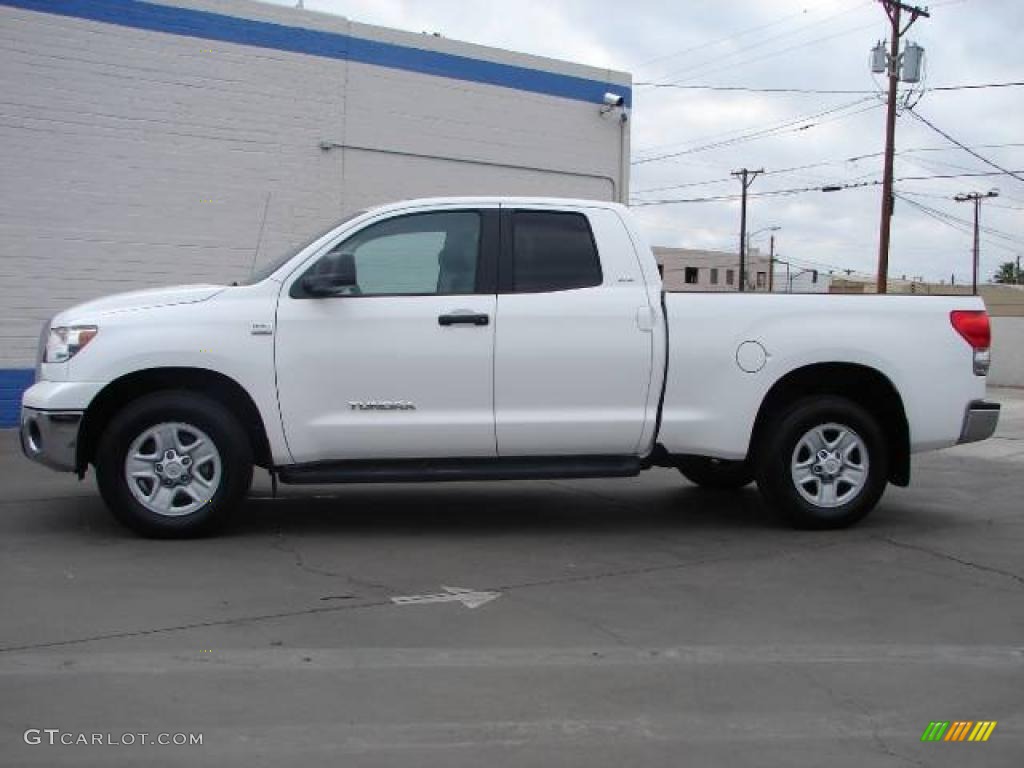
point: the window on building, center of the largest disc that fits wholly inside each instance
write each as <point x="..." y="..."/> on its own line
<point x="762" y="279"/>
<point x="714" y="276"/>
<point x="690" y="274"/>
<point x="730" y="277"/>
<point x="552" y="251"/>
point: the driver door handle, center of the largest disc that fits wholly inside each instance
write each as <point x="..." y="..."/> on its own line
<point x="466" y="318"/>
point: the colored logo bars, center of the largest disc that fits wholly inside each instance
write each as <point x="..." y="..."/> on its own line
<point x="958" y="730"/>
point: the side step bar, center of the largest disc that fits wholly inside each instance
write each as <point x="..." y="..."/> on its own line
<point x="434" y="470"/>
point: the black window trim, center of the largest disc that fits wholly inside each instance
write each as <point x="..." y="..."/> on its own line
<point x="506" y="283"/>
<point x="486" y="266"/>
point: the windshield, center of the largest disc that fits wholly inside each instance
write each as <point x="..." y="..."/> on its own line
<point x="265" y="271"/>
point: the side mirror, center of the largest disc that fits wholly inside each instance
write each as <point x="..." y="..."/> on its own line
<point x="342" y="275"/>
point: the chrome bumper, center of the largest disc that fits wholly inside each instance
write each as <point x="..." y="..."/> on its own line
<point x="51" y="437"/>
<point x="979" y="421"/>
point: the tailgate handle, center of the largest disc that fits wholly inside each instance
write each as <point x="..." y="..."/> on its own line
<point x="467" y="318"/>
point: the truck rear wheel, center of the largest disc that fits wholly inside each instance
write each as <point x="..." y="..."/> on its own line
<point x="824" y="463"/>
<point x="174" y="464"/>
<point x="715" y="473"/>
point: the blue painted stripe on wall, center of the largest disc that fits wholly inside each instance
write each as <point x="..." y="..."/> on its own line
<point x="263" y="34"/>
<point x="13" y="383"/>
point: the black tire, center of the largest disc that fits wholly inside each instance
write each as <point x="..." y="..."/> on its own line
<point x="234" y="463"/>
<point x="717" y="474"/>
<point x="776" y="455"/>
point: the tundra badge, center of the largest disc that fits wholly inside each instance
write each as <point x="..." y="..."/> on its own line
<point x="381" y="405"/>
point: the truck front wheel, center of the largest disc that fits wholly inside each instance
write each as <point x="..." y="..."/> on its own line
<point x="823" y="463"/>
<point x="173" y="464"/>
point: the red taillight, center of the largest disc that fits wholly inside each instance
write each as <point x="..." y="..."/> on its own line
<point x="973" y="325"/>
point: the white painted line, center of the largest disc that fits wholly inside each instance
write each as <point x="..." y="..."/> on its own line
<point x="470" y="598"/>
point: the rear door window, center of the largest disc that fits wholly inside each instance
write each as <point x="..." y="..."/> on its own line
<point x="551" y="251"/>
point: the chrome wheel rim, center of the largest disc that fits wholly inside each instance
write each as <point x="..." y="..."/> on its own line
<point x="173" y="469"/>
<point x="830" y="465"/>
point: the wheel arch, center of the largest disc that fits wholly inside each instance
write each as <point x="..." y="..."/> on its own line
<point x="217" y="386"/>
<point x="864" y="385"/>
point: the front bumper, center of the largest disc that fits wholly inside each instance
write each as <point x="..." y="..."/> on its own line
<point x="979" y="421"/>
<point x="51" y="437"/>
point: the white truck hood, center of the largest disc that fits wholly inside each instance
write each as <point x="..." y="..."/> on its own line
<point x="135" y="300"/>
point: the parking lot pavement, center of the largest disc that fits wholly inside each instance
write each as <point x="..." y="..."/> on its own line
<point x="637" y="622"/>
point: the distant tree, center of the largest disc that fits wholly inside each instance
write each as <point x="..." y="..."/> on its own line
<point x="1007" y="273"/>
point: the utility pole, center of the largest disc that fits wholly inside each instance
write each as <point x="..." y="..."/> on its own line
<point x="746" y="178"/>
<point x="771" y="263"/>
<point x="1016" y="275"/>
<point x="976" y="198"/>
<point x="789" y="282"/>
<point x="893" y="9"/>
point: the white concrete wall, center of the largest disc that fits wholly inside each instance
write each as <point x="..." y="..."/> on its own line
<point x="133" y="158"/>
<point x="1007" y="352"/>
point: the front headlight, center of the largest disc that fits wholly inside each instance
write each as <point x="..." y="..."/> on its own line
<point x="65" y="342"/>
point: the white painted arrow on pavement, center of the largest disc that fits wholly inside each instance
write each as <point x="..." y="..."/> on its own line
<point x="470" y="598"/>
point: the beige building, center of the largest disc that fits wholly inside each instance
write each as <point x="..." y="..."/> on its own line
<point x="685" y="269"/>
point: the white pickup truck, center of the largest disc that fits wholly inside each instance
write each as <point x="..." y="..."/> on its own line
<point x="482" y="339"/>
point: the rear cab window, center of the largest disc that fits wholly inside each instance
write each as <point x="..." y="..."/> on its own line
<point x="549" y="251"/>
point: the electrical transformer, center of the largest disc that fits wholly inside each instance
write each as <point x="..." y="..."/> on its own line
<point x="913" y="59"/>
<point x="879" y="59"/>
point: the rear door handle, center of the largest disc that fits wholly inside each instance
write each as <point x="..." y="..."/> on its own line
<point x="463" y="318"/>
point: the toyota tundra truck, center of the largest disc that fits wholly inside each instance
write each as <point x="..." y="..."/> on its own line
<point x="497" y="339"/>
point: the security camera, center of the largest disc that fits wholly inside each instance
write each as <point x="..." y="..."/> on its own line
<point x="614" y="100"/>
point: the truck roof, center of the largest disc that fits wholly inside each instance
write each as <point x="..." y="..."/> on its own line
<point x="491" y="200"/>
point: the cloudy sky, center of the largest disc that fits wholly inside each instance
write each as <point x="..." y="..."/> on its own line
<point x="803" y="139"/>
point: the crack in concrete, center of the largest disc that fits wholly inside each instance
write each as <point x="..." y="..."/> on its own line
<point x="848" y="703"/>
<point x="281" y="544"/>
<point x="952" y="558"/>
<point x="387" y="601"/>
<point x="194" y="625"/>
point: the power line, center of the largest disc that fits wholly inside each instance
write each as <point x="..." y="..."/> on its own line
<point x="729" y="135"/>
<point x="936" y="149"/>
<point x="820" y="188"/>
<point x="781" y="51"/>
<point x="792" y="126"/>
<point x="824" y="163"/>
<point x="763" y="42"/>
<point x="704" y="183"/>
<point x="818" y="91"/>
<point x="734" y="197"/>
<point x="952" y="175"/>
<point x="964" y="224"/>
<point x="974" y="86"/>
<point x="960" y="225"/>
<point x="707" y="182"/>
<point x="720" y="40"/>
<point x="814" y="41"/>
<point x="962" y="146"/>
